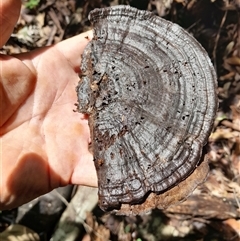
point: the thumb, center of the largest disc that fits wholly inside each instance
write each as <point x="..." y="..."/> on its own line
<point x="9" y="13"/>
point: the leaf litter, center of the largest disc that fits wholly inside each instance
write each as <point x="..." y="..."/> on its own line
<point x="212" y="212"/>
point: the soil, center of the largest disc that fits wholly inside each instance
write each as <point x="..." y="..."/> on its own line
<point x="212" y="212"/>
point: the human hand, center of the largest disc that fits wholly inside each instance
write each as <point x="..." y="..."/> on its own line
<point x="44" y="143"/>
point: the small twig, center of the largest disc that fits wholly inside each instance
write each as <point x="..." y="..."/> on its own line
<point x="217" y="39"/>
<point x="52" y="35"/>
<point x="56" y="21"/>
<point x="193" y="25"/>
<point x="61" y="197"/>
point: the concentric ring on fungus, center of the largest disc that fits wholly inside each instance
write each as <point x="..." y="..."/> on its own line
<point x="149" y="89"/>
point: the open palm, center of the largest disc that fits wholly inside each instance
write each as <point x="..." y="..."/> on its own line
<point x="44" y="143"/>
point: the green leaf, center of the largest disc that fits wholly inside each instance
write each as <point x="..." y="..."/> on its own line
<point x="31" y="4"/>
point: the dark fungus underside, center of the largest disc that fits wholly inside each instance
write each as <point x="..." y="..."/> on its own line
<point x="149" y="89"/>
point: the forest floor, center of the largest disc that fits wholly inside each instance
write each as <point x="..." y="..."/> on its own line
<point x="212" y="212"/>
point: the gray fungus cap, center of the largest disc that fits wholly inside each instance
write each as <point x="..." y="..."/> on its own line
<point x="149" y="89"/>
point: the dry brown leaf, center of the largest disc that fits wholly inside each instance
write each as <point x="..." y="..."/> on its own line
<point x="233" y="60"/>
<point x="40" y="19"/>
<point x="236" y="114"/>
<point x="231" y="125"/>
<point x="86" y="237"/>
<point x="234" y="224"/>
<point x="236" y="156"/>
<point x="229" y="48"/>
<point x="97" y="232"/>
<point x="228" y="76"/>
<point x="223" y="134"/>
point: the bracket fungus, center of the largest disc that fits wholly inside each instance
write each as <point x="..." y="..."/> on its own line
<point x="149" y="89"/>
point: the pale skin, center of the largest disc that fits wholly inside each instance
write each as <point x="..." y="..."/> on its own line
<point x="44" y="143"/>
